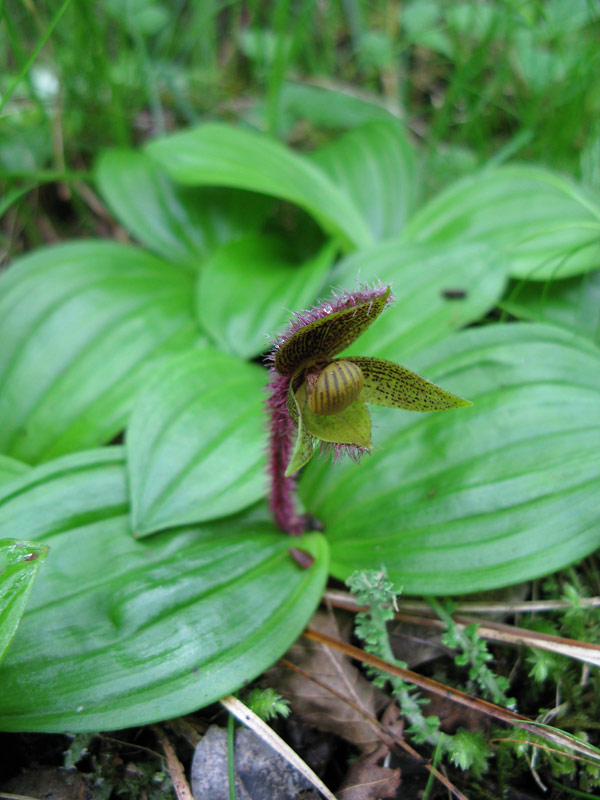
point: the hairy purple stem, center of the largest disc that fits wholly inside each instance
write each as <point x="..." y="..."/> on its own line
<point x="282" y="490"/>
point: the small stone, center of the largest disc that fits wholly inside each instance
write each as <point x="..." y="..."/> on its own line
<point x="260" y="771"/>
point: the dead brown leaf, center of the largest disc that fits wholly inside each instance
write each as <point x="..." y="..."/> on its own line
<point x="366" y="780"/>
<point x="318" y="707"/>
<point x="51" y="783"/>
<point x="451" y="715"/>
<point x="414" y="644"/>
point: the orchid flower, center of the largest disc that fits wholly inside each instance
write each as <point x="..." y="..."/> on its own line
<point x="317" y="400"/>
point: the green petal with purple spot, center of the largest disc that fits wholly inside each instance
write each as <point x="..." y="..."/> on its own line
<point x="324" y="338"/>
<point x="389" y="384"/>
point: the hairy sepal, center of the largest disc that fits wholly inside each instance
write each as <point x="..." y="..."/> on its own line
<point x="327" y="336"/>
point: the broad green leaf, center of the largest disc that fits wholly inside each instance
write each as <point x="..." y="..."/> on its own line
<point x="263" y="45"/>
<point x="19" y="564"/>
<point x="423" y="25"/>
<point x="478" y="21"/>
<point x="196" y="441"/>
<point x="221" y="155"/>
<point x="548" y="226"/>
<point x="180" y="223"/>
<point x="479" y="497"/>
<point x="573" y="303"/>
<point x="566" y="16"/>
<point x="329" y="108"/>
<point x="79" y="324"/>
<point x="590" y="160"/>
<point x="539" y="67"/>
<point x="437" y="289"/>
<point x="122" y="632"/>
<point x="375" y="165"/>
<point x="139" y="17"/>
<point x="246" y="289"/>
<point x="11" y="468"/>
<point x="444" y="165"/>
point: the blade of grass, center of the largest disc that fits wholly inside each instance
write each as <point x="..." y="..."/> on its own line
<point x="571" y="791"/>
<point x="158" y="114"/>
<point x="280" y="63"/>
<point x="27" y="66"/>
<point x="285" y="54"/>
<point x="231" y="756"/>
<point x="435" y="761"/>
<point x="511" y="148"/>
<point x="20" y="59"/>
<point x="12" y="195"/>
<point x="95" y="27"/>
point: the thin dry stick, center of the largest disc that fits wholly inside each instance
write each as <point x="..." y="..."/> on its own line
<point x="346" y="600"/>
<point x="386" y="736"/>
<point x="544" y="747"/>
<point x="429" y="685"/>
<point x="133" y="745"/>
<point x="180" y="784"/>
<point x="509" y="634"/>
<point x="93" y="201"/>
<point x="419" y="614"/>
<point x="4" y="796"/>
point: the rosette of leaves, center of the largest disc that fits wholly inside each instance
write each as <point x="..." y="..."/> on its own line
<point x="167" y="584"/>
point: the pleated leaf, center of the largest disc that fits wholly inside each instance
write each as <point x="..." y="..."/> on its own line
<point x="180" y="223"/>
<point x="437" y="289"/>
<point x="375" y="165"/>
<point x="11" y="468"/>
<point x="329" y="108"/>
<point x="221" y="155"/>
<point x="247" y="287"/>
<point x="196" y="441"/>
<point x="475" y="498"/>
<point x="123" y="632"/>
<point x="573" y="303"/>
<point x="547" y="225"/>
<point x="79" y="324"/>
<point x="19" y="564"/>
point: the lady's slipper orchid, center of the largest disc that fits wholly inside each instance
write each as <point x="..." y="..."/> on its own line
<point x="318" y="399"/>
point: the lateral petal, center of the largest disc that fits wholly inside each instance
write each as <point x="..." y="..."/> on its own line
<point x="304" y="446"/>
<point x="389" y="384"/>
